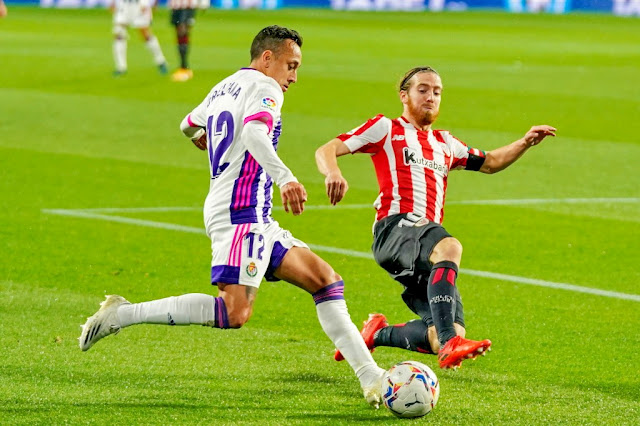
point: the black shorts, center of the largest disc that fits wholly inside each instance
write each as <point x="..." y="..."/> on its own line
<point x="183" y="16"/>
<point x="402" y="245"/>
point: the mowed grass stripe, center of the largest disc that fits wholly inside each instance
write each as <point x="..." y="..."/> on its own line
<point x="349" y="252"/>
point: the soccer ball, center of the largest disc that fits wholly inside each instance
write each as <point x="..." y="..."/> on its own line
<point x="410" y="389"/>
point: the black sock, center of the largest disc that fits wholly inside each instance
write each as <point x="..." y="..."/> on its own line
<point x="183" y="49"/>
<point x="412" y="336"/>
<point x="441" y="291"/>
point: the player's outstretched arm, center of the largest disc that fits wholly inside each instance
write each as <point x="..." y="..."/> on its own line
<point x="327" y="162"/>
<point x="501" y="158"/>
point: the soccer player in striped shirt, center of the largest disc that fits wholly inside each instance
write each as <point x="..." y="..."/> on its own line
<point x="183" y="16"/>
<point x="412" y="162"/>
<point x="239" y="124"/>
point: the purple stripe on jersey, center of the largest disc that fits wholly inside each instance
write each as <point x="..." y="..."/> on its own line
<point x="245" y="193"/>
<point x="277" y="255"/>
<point x="333" y="291"/>
<point x="277" y="131"/>
<point x="221" y="319"/>
<point x="266" y="210"/>
<point x="242" y="185"/>
<point x="243" y="182"/>
<point x="247" y="215"/>
<point x="225" y="274"/>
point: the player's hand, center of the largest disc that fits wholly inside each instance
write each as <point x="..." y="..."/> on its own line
<point x="536" y="134"/>
<point x="293" y="197"/>
<point x="337" y="187"/>
<point x="201" y="142"/>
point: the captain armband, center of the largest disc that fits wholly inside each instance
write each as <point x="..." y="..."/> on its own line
<point x="475" y="161"/>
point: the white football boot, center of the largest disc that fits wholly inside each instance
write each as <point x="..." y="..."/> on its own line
<point x="102" y="323"/>
<point x="372" y="388"/>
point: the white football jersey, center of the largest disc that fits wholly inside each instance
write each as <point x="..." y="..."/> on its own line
<point x="240" y="190"/>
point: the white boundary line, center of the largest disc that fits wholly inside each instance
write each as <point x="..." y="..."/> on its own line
<point x="511" y="202"/>
<point x="92" y="214"/>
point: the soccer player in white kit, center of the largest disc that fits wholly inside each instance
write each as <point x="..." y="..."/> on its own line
<point x="134" y="14"/>
<point x="239" y="124"/>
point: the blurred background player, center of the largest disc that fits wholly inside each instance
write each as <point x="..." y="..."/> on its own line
<point x="3" y="9"/>
<point x="239" y="124"/>
<point x="183" y="16"/>
<point x="134" y="14"/>
<point x="412" y="163"/>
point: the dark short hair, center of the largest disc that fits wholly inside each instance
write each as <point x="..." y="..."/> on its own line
<point x="271" y="38"/>
<point x="404" y="84"/>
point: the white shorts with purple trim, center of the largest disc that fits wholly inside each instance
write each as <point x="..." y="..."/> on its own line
<point x="246" y="253"/>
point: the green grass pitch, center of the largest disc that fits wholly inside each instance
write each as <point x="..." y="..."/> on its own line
<point x="72" y="137"/>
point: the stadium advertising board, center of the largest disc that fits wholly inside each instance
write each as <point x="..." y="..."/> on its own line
<point x="617" y="7"/>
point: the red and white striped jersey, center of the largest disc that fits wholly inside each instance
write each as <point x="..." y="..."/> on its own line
<point x="188" y="4"/>
<point x="411" y="165"/>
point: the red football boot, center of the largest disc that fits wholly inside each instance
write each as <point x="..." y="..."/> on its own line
<point x="458" y="349"/>
<point x="374" y="323"/>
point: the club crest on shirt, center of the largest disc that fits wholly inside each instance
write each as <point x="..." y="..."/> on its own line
<point x="252" y="269"/>
<point x="269" y="103"/>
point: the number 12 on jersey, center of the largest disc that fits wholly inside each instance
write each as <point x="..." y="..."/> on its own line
<point x="219" y="138"/>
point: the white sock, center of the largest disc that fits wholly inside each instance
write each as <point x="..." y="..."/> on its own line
<point x="120" y="54"/>
<point x="194" y="308"/>
<point x="337" y="324"/>
<point x="156" y="51"/>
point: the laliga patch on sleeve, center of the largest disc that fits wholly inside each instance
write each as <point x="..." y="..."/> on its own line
<point x="269" y="103"/>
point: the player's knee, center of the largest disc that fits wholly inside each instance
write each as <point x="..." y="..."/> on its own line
<point x="449" y="249"/>
<point x="238" y="315"/>
<point x="146" y="34"/>
<point x="453" y="248"/>
<point x="238" y="318"/>
<point x="326" y="277"/>
<point x="119" y="32"/>
<point x="334" y="277"/>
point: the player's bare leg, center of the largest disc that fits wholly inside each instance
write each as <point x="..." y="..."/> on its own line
<point x="238" y="300"/>
<point x="308" y="271"/>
